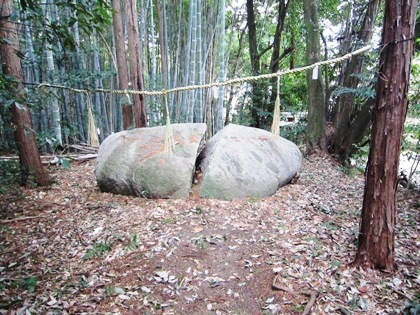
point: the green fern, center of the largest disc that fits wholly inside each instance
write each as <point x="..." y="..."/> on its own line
<point x="97" y="249"/>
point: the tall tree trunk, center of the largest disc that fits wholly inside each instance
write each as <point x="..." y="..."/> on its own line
<point x="67" y="113"/>
<point x="193" y="67"/>
<point x="100" y="105"/>
<point x="31" y="74"/>
<point x="200" y="75"/>
<point x="255" y="60"/>
<point x="210" y="71"/>
<point x="177" y="108"/>
<point x="127" y="109"/>
<point x="55" y="107"/>
<point x="315" y="139"/>
<point x="377" y="232"/>
<point x="186" y="95"/>
<point x="24" y="134"/>
<point x="32" y="70"/>
<point x="281" y="18"/>
<point x="80" y="65"/>
<point x="163" y="47"/>
<point x="345" y="112"/>
<point x="222" y="71"/>
<point x="154" y="110"/>
<point x="276" y="57"/>
<point x="252" y="37"/>
<point x="162" y="43"/>
<point x="262" y="103"/>
<point x="235" y="67"/>
<point x="167" y="44"/>
<point x="136" y="68"/>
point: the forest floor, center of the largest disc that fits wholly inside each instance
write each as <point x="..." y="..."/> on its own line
<point x="71" y="249"/>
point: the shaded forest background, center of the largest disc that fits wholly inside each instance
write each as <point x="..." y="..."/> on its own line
<point x="159" y="44"/>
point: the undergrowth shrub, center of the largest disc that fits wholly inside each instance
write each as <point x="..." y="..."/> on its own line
<point x="295" y="132"/>
<point x="10" y="183"/>
<point x="10" y="177"/>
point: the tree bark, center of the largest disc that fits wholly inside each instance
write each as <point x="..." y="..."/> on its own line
<point x="55" y="107"/>
<point x="345" y="112"/>
<point x="377" y="232"/>
<point x="200" y="73"/>
<point x="276" y="57"/>
<point x="315" y="139"/>
<point x="100" y="105"/>
<point x="127" y="109"/>
<point x="136" y="68"/>
<point x="176" y="109"/>
<point x="21" y="119"/>
<point x="80" y="65"/>
<point x="235" y="68"/>
<point x="193" y="66"/>
<point x="281" y="18"/>
<point x="252" y="36"/>
<point x="186" y="95"/>
<point x="222" y="70"/>
<point x="255" y="61"/>
<point x="262" y="101"/>
<point x="163" y="42"/>
<point x="155" y="111"/>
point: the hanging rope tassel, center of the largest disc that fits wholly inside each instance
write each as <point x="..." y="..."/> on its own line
<point x="275" y="127"/>
<point x="217" y="84"/>
<point x="93" y="139"/>
<point x="169" y="136"/>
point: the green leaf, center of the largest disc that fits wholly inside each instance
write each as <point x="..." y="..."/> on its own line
<point x="97" y="249"/>
<point x="65" y="162"/>
<point x="344" y="311"/>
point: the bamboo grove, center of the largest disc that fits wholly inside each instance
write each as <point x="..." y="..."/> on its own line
<point x="162" y="44"/>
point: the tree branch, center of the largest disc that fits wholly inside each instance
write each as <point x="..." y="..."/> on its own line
<point x="21" y="219"/>
<point x="265" y="50"/>
<point x="313" y="295"/>
<point x="286" y="52"/>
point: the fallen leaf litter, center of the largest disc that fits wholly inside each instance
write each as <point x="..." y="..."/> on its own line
<point x="72" y="249"/>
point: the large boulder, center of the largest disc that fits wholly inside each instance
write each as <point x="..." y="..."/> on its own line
<point x="134" y="162"/>
<point x="243" y="161"/>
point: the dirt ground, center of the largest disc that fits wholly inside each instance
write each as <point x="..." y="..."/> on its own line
<point x="71" y="249"/>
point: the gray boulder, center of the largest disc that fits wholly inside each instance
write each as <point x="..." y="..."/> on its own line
<point x="134" y="162"/>
<point x="242" y="161"/>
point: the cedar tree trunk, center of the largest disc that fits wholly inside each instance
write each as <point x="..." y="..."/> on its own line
<point x="349" y="130"/>
<point x="255" y="61"/>
<point x="376" y="237"/>
<point x="21" y="119"/>
<point x="127" y="109"/>
<point x="136" y="68"/>
<point x="262" y="101"/>
<point x="315" y="139"/>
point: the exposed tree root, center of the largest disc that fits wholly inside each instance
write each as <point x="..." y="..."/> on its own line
<point x="21" y="219"/>
<point x="313" y="295"/>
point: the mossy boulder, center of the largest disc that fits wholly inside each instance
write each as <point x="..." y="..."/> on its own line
<point x="247" y="162"/>
<point x="134" y="162"/>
